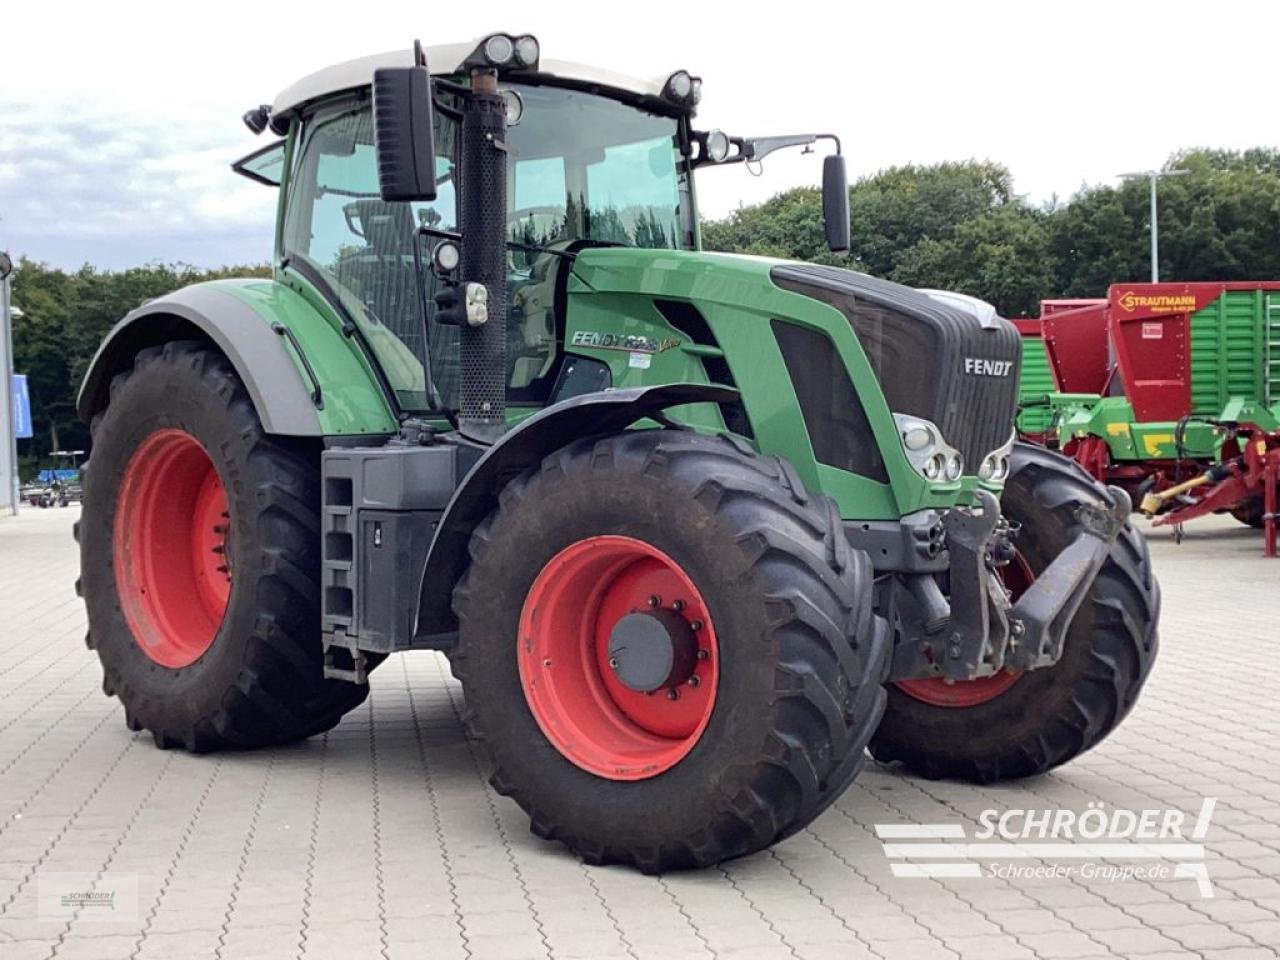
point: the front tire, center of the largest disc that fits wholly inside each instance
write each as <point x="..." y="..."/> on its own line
<point x="200" y="561"/>
<point x="727" y="549"/>
<point x="1006" y="727"/>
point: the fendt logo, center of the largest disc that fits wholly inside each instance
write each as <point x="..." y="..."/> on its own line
<point x="987" y="368"/>
<point x="1171" y="303"/>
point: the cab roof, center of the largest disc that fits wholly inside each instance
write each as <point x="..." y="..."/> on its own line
<point x="442" y="60"/>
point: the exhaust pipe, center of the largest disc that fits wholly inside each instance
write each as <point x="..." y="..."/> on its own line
<point x="483" y="211"/>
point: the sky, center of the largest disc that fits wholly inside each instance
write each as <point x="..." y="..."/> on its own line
<point x="118" y="120"/>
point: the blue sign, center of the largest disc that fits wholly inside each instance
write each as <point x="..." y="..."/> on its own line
<point x="21" y="407"/>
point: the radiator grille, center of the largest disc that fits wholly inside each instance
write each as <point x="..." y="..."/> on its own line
<point x="918" y="348"/>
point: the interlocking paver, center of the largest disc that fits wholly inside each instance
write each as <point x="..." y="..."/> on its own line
<point x="382" y="838"/>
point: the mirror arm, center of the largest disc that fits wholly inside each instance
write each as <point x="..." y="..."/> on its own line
<point x="755" y="149"/>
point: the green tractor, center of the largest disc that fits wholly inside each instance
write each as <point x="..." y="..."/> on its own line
<point x="694" y="530"/>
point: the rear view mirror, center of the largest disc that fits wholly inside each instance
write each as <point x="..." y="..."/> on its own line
<point x="402" y="133"/>
<point x="835" y="201"/>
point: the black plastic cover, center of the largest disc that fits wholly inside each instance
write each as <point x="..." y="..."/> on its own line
<point x="839" y="431"/>
<point x="927" y="355"/>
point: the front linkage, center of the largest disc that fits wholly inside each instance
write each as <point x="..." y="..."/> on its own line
<point x="979" y="628"/>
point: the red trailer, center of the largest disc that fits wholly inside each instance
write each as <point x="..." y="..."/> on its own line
<point x="1172" y="391"/>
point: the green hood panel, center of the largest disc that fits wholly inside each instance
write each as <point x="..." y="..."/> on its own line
<point x="614" y="294"/>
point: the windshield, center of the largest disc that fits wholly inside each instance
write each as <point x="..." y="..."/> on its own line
<point x="586" y="167"/>
<point x="582" y="167"/>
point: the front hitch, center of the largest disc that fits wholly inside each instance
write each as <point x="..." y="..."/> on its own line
<point x="975" y="629"/>
<point x="979" y="628"/>
<point x="1041" y="616"/>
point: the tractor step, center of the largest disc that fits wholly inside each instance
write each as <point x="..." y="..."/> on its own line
<point x="379" y="510"/>
<point x="344" y="660"/>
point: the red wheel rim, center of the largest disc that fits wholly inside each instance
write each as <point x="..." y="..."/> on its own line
<point x="1017" y="576"/>
<point x="171" y="563"/>
<point x="588" y="714"/>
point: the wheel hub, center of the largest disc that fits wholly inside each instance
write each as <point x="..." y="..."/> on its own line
<point x="652" y="651"/>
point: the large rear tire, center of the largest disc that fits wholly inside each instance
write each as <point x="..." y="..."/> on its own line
<point x="1019" y="726"/>
<point x="762" y="729"/>
<point x="200" y="561"/>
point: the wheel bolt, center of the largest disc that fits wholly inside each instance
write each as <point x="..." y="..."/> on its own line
<point x="703" y="654"/>
<point x="677" y="605"/>
<point x="694" y="681"/>
<point x="655" y="601"/>
<point x="673" y="694"/>
<point x="696" y="625"/>
<point x="613" y="663"/>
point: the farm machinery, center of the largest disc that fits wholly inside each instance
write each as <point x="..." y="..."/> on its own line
<point x="57" y="486"/>
<point x="693" y="530"/>
<point x="1172" y="392"/>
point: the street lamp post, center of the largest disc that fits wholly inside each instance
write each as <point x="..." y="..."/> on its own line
<point x="8" y="442"/>
<point x="1154" y="176"/>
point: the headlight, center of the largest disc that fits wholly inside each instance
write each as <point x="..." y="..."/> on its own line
<point x="930" y="455"/>
<point x="955" y="466"/>
<point x="995" y="465"/>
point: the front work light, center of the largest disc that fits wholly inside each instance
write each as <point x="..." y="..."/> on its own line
<point x="503" y="52"/>
<point x="717" y="146"/>
<point x="499" y="50"/>
<point x="683" y="88"/>
<point x="527" y="51"/>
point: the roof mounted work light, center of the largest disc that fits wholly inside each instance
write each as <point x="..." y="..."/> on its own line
<point x="502" y="51"/>
<point x="683" y="88"/>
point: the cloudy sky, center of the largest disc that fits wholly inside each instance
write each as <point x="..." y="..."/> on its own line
<point x="118" y="120"/>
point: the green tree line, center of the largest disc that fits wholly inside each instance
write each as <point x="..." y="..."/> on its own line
<point x="64" y="316"/>
<point x="958" y="226"/>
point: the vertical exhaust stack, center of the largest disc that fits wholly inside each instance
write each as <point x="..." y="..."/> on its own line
<point x="483" y="209"/>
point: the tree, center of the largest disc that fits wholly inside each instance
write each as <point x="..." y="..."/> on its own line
<point x="961" y="226"/>
<point x="64" y="318"/>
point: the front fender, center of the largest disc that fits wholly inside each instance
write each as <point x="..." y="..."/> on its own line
<point x="242" y="318"/>
<point x="590" y="414"/>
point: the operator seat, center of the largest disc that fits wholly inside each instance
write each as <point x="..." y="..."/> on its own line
<point x="381" y="273"/>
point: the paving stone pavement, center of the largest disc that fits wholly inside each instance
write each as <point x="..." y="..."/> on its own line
<point x="382" y="839"/>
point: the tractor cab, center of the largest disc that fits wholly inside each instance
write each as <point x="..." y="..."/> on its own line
<point x="593" y="159"/>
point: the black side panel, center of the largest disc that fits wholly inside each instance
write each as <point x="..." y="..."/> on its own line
<point x="838" y="428"/>
<point x="688" y="319"/>
<point x="918" y="348"/>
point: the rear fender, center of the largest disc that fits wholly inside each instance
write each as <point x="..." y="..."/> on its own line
<point x="303" y="376"/>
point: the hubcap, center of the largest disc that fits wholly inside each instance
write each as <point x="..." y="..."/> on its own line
<point x="171" y="559"/>
<point x="618" y="657"/>
<point x="652" y="651"/>
<point x="1017" y="576"/>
